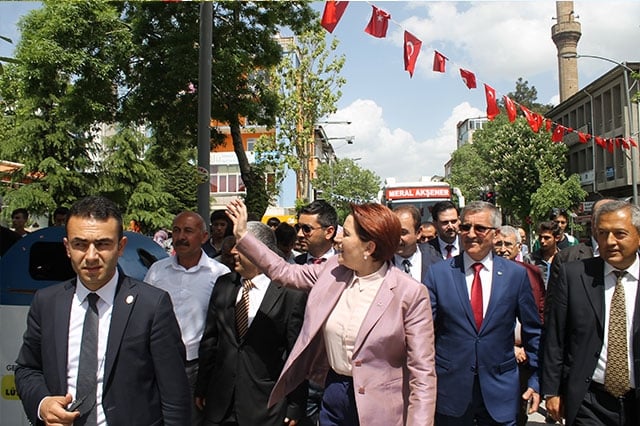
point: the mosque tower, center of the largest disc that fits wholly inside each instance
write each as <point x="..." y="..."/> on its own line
<point x="565" y="34"/>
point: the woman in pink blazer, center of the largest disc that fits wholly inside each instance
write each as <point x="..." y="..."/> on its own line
<point x="367" y="320"/>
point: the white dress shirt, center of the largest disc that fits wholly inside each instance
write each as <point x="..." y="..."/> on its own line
<point x="256" y="294"/>
<point x="344" y="322"/>
<point x="79" y="306"/>
<point x="630" y="283"/>
<point x="329" y="253"/>
<point x="190" y="291"/>
<point x="443" y="247"/>
<point x="416" y="264"/>
<point x="485" y="277"/>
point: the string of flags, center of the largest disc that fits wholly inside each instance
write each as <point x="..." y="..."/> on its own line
<point x="378" y="26"/>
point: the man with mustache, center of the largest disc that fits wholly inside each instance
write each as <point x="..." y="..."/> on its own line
<point x="188" y="277"/>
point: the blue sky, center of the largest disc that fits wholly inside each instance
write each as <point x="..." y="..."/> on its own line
<point x="405" y="127"/>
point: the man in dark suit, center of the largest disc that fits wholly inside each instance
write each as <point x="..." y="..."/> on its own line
<point x="316" y="227"/>
<point x="238" y="371"/>
<point x="591" y="352"/>
<point x="411" y="257"/>
<point x="138" y="375"/>
<point x="476" y="298"/>
<point x="446" y="218"/>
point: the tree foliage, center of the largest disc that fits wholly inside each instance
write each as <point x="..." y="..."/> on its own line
<point x="342" y="182"/>
<point x="525" y="168"/>
<point x="85" y="66"/>
<point x="309" y="83"/>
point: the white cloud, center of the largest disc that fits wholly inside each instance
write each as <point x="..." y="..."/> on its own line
<point x="396" y="152"/>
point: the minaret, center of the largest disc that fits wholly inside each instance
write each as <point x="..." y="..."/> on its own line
<point x="565" y="34"/>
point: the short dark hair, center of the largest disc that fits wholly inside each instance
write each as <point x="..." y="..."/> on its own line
<point x="24" y="212"/>
<point x="273" y="221"/>
<point x="413" y="211"/>
<point x="555" y="212"/>
<point x="442" y="206"/>
<point x="327" y="215"/>
<point x="549" y="226"/>
<point x="285" y="234"/>
<point x="61" y="210"/>
<point x="222" y="215"/>
<point x="97" y="207"/>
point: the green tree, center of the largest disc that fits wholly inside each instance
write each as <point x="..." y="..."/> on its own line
<point x="343" y="182"/>
<point x="528" y="96"/>
<point x="131" y="180"/>
<point x="525" y="168"/>
<point x="69" y="59"/>
<point x="308" y="80"/>
<point x="82" y="65"/>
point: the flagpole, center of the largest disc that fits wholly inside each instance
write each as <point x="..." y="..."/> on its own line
<point x="204" y="107"/>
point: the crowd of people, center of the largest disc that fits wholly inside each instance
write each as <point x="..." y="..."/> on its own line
<point x="382" y="320"/>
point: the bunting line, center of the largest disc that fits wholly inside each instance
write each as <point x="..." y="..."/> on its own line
<point x="378" y="27"/>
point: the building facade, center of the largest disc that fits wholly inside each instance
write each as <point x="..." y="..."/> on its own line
<point x="600" y="109"/>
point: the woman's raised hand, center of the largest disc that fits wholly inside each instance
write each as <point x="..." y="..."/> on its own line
<point x="237" y="212"/>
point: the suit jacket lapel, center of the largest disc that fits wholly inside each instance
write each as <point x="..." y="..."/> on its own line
<point x="460" y="285"/>
<point x="62" y="316"/>
<point x="271" y="296"/>
<point x="498" y="287"/>
<point x="593" y="282"/>
<point x="323" y="298"/>
<point x="123" y="303"/>
<point x="378" y="306"/>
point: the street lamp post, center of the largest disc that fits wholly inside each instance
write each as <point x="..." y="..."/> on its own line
<point x="629" y="119"/>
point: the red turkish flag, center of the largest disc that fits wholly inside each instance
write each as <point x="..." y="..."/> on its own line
<point x="610" y="145"/>
<point x="531" y="118"/>
<point x="469" y="78"/>
<point x="511" y="108"/>
<point x="583" y="137"/>
<point x="547" y="124"/>
<point x="333" y="11"/>
<point x="539" y="119"/>
<point x="378" y="23"/>
<point x="492" y="104"/>
<point x="412" y="47"/>
<point x="601" y="142"/>
<point x="439" y="61"/>
<point x="558" y="133"/>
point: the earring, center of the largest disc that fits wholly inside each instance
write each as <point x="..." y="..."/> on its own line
<point x="365" y="256"/>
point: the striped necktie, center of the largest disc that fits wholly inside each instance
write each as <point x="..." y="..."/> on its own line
<point x="242" y="310"/>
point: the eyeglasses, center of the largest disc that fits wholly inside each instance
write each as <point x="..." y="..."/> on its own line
<point x="479" y="229"/>
<point x="306" y="229"/>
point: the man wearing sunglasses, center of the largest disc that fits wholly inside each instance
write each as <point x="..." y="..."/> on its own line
<point x="476" y="298"/>
<point x="316" y="229"/>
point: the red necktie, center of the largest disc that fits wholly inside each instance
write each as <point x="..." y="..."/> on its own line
<point x="449" y="248"/>
<point x="476" y="295"/>
<point x="318" y="260"/>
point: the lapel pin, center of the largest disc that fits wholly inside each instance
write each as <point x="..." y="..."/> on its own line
<point x="499" y="272"/>
<point x="129" y="299"/>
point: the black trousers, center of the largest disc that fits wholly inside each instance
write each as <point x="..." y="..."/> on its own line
<point x="599" y="408"/>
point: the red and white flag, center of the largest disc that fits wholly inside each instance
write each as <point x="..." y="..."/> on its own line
<point x="511" y="108"/>
<point x="439" y="61"/>
<point x="558" y="133"/>
<point x="378" y="24"/>
<point x="531" y="118"/>
<point x="492" y="104"/>
<point x="333" y="11"/>
<point x="468" y="78"/>
<point x="412" y="47"/>
<point x="583" y="137"/>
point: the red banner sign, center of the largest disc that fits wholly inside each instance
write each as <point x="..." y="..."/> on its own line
<point x="418" y="192"/>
